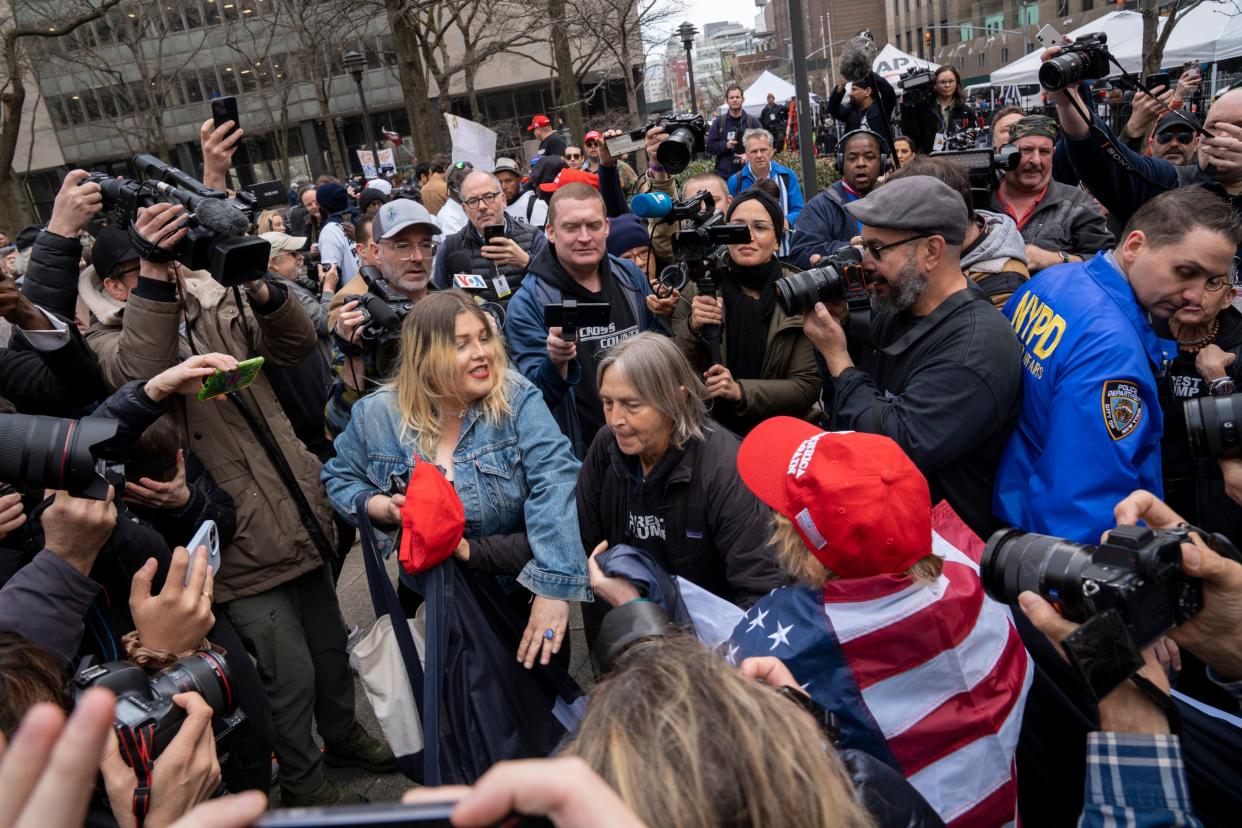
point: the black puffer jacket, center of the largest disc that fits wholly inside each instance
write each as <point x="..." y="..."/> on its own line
<point x="467" y="239"/>
<point x="716" y="529"/>
<point x="51" y="279"/>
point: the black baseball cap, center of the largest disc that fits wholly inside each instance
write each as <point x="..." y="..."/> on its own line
<point x="111" y="249"/>
<point x="1176" y="120"/>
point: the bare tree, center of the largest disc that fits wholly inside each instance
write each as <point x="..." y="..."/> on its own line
<point x="15" y="208"/>
<point x="413" y="78"/>
<point x="1156" y="38"/>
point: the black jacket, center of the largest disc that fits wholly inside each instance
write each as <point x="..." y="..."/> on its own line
<point x="947" y="388"/>
<point x="54" y="383"/>
<point x="717" y="141"/>
<point x="716" y="530"/>
<point x="467" y="239"/>
<point x="51" y="279"/>
<point x="921" y="122"/>
<point x="879" y="115"/>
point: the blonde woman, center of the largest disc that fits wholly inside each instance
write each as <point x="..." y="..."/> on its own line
<point x="271" y="221"/>
<point x="454" y="402"/>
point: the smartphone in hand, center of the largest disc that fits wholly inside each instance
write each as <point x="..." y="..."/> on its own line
<point x="207" y="537"/>
<point x="226" y="382"/>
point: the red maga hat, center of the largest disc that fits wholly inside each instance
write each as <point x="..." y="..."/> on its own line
<point x="432" y="520"/>
<point x="570" y="175"/>
<point x="537" y="122"/>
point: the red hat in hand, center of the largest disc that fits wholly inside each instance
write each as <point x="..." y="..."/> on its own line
<point x="858" y="502"/>
<point x="432" y="520"/>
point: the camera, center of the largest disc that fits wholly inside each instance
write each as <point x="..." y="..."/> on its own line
<point x="40" y="453"/>
<point x="1126" y="592"/>
<point x="1087" y="58"/>
<point x="217" y="225"/>
<point x="146" y="716"/>
<point x="982" y="165"/>
<point x="1212" y="426"/>
<point x="383" y="310"/>
<point x="917" y="86"/>
<point x="687" y="136"/>
<point x="839" y="277"/>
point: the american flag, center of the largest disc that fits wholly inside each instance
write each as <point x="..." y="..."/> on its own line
<point x="394" y="137"/>
<point x="930" y="678"/>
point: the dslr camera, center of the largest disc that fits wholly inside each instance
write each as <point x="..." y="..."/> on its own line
<point x="1213" y="427"/>
<point x="217" y="240"/>
<point x="1087" y="58"/>
<point x="1126" y="592"/>
<point x="917" y="86"/>
<point x="687" y="137"/>
<point x="840" y="276"/>
<point x="78" y="456"/>
<point x="146" y="717"/>
<point x="383" y="310"/>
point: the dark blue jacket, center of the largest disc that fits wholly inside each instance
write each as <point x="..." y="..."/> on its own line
<point x="718" y="139"/>
<point x="823" y="226"/>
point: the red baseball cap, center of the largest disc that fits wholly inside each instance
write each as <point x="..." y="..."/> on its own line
<point x="569" y="175"/>
<point x="593" y="135"/>
<point x="858" y="502"/>
<point x="432" y="520"/>
<point x="537" y="122"/>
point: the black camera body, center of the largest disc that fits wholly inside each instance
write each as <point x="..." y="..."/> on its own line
<point x="1087" y="58"/>
<point x="410" y="191"/>
<point x="983" y="167"/>
<point x="1127" y="592"/>
<point x="383" y="310"/>
<point x="839" y="276"/>
<point x="1214" y="427"/>
<point x="571" y="315"/>
<point x="917" y="86"/>
<point x="216" y="239"/>
<point x="687" y="137"/>
<point x="146" y="714"/>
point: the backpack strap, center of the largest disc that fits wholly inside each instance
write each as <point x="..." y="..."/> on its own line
<point x="1006" y="281"/>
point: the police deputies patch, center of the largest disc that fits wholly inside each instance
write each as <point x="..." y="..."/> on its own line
<point x="1123" y="407"/>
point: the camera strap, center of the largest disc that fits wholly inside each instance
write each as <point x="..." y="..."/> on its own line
<point x="136" y="746"/>
<point x="1162" y="700"/>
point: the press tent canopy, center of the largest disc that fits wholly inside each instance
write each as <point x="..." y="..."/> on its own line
<point x="1125" y="41"/>
<point x="891" y="62"/>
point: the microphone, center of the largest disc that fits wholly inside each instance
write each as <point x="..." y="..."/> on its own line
<point x="222" y="217"/>
<point x="651" y="205"/>
<point x="459" y="267"/>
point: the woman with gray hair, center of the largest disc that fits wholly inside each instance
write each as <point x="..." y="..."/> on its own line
<point x="663" y="477"/>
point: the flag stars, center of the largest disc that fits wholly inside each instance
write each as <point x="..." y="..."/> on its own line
<point x="781" y="636"/>
<point x="757" y="621"/>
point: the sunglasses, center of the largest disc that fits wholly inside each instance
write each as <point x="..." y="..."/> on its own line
<point x="1181" y="136"/>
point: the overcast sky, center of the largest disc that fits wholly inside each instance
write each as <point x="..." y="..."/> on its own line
<point x="699" y="12"/>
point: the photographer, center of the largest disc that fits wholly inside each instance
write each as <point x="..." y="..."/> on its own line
<point x="823" y="226"/>
<point x="575" y="265"/>
<point x="273" y="579"/>
<point x="501" y="260"/>
<point x="403" y="246"/>
<point x="1090" y="354"/>
<point x="768" y="367"/>
<point x="928" y="122"/>
<point x="871" y="106"/>
<point x="941" y="372"/>
<point x="724" y="137"/>
<point x="1060" y="223"/>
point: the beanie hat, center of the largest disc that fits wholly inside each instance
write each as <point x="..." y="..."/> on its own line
<point x="626" y="232"/>
<point x="332" y="198"/>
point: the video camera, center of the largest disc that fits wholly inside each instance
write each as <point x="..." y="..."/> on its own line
<point x="1087" y="58"/>
<point x="839" y="277"/>
<point x="982" y="166"/>
<point x="217" y="240"/>
<point x="1126" y="592"/>
<point x="383" y="310"/>
<point x="146" y="717"/>
<point x="687" y="136"/>
<point x="77" y="456"/>
<point x="917" y="86"/>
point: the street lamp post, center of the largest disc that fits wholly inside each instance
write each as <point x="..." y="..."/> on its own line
<point x="355" y="64"/>
<point x="687" y="32"/>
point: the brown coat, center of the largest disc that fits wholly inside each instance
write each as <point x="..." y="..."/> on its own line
<point x="791" y="381"/>
<point x="435" y="193"/>
<point x="271" y="546"/>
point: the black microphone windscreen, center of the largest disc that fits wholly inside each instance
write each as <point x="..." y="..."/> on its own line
<point x="459" y="261"/>
<point x="222" y="217"/>
<point x="857" y="58"/>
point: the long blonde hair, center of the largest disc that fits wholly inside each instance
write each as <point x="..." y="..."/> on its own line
<point x="426" y="377"/>
<point x="264" y="221"/>
<point x="687" y="741"/>
<point x="797" y="561"/>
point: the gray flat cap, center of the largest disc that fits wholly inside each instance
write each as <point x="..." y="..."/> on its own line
<point x="918" y="203"/>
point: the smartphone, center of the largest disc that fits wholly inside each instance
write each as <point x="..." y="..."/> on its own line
<point x="1158" y="79"/>
<point x="225" y="109"/>
<point x="626" y="142"/>
<point x="1048" y="37"/>
<point x="392" y="814"/>
<point x="493" y="231"/>
<point x="226" y="382"/>
<point x="207" y="536"/>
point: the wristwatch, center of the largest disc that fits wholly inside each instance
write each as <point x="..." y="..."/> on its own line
<point x="1221" y="387"/>
<point x="1064" y="256"/>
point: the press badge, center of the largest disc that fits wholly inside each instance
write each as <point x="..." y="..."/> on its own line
<point x="501" y="284"/>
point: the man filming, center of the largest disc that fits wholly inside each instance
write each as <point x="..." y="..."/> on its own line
<point x="941" y="372"/>
<point x="1090" y="361"/>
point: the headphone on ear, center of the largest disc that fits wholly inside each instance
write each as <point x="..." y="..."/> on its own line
<point x="886" y="162"/>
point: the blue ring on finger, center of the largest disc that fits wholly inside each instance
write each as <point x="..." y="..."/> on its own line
<point x="549" y="633"/>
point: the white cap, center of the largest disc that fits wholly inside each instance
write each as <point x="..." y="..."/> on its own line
<point x="380" y="184"/>
<point x="283" y="242"/>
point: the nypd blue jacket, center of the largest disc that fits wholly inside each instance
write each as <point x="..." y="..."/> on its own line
<point x="1089" y="433"/>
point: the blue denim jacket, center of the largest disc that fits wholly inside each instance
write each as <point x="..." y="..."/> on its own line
<point x="520" y="470"/>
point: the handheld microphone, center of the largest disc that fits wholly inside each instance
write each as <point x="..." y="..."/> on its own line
<point x="459" y="267"/>
<point x="651" y="205"/>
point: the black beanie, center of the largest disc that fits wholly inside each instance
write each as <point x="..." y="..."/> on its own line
<point x="768" y="203"/>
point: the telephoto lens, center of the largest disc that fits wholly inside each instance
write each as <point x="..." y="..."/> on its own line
<point x="1212" y="426"/>
<point x="798" y="293"/>
<point x="1015" y="561"/>
<point x="674" y="154"/>
<point x="53" y="453"/>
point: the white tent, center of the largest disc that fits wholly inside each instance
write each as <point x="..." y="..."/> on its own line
<point x="1212" y="31"/>
<point x="1125" y="41"/>
<point x="891" y="62"/>
<point x="755" y="96"/>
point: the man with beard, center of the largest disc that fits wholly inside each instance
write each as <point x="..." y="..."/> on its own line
<point x="402" y="244"/>
<point x="941" y="372"/>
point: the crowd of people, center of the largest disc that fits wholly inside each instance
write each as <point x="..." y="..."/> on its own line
<point x="762" y="470"/>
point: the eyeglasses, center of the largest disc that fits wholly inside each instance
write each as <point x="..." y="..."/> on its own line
<point x="760" y="227"/>
<point x="1215" y="284"/>
<point x="946" y="82"/>
<point x="405" y="250"/>
<point x="486" y="198"/>
<point x="1181" y="136"/>
<point x="592" y="143"/>
<point x="875" y="248"/>
<point x="572" y="156"/>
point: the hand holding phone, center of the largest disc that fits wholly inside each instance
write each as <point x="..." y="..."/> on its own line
<point x="1048" y="37"/>
<point x="227" y="382"/>
<point x="207" y="537"/>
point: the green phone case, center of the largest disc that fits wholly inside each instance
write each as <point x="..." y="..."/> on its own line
<point x="226" y="382"/>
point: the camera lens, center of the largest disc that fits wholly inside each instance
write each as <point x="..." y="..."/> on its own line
<point x="204" y="673"/>
<point x="674" y="154"/>
<point x="799" y="293"/>
<point x="1063" y="70"/>
<point x="1212" y="426"/>
<point x="1014" y="562"/>
<point x="54" y="453"/>
<point x="673" y="277"/>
